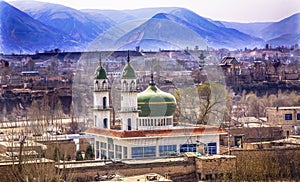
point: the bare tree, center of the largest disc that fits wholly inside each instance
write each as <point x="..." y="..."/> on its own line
<point x="205" y="104"/>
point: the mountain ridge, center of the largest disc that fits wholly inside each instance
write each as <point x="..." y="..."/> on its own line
<point x="21" y="33"/>
<point x="55" y="25"/>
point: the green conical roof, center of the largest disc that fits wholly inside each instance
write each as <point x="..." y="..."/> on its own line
<point x="100" y="73"/>
<point x="154" y="102"/>
<point x="128" y="72"/>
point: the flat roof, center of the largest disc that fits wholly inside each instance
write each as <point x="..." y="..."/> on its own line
<point x="180" y="131"/>
<point x="284" y="108"/>
<point x="125" y="161"/>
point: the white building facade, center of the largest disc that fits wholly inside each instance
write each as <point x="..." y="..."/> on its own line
<point x="146" y="123"/>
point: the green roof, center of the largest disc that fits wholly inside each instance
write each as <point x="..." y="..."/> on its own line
<point x="154" y="102"/>
<point x="100" y="73"/>
<point x="128" y="72"/>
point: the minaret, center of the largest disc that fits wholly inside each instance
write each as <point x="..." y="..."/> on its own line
<point x="128" y="112"/>
<point x="101" y="99"/>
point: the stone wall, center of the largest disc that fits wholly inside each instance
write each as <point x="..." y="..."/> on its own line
<point x="276" y="117"/>
<point x="177" y="170"/>
<point x="216" y="167"/>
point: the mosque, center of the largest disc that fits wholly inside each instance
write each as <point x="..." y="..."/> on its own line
<point x="147" y="128"/>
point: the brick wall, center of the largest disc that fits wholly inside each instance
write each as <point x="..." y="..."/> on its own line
<point x="209" y="167"/>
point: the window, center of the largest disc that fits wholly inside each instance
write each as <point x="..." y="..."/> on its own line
<point x="111" y="155"/>
<point x="103" y="154"/>
<point x="105" y="123"/>
<point x="125" y="152"/>
<point x="110" y="146"/>
<point x="104" y="85"/>
<point x="104" y="102"/>
<point x="188" y="148"/>
<point x="103" y="150"/>
<point x="137" y="152"/>
<point x="298" y="116"/>
<point x="118" y="151"/>
<point x="150" y="151"/>
<point x="111" y="150"/>
<point x="166" y="150"/>
<point x="129" y="123"/>
<point x="141" y="152"/>
<point x="288" y="116"/>
<point x="210" y="148"/>
<point x="97" y="149"/>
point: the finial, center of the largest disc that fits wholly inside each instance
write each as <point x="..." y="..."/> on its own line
<point x="152" y="82"/>
<point x="100" y="61"/>
<point x="128" y="58"/>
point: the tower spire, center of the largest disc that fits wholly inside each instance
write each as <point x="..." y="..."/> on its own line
<point x="152" y="82"/>
<point x="100" y="61"/>
<point x="128" y="57"/>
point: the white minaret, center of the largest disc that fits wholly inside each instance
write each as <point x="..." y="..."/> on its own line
<point x="129" y="111"/>
<point x="101" y="104"/>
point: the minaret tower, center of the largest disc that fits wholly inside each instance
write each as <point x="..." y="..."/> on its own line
<point x="129" y="111"/>
<point x="101" y="104"/>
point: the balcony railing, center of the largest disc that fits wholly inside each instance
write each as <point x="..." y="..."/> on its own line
<point x="128" y="109"/>
<point x="101" y="107"/>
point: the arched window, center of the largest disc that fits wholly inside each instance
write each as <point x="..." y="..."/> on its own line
<point x="132" y="85"/>
<point x="105" y="123"/>
<point x="125" y="85"/>
<point x="96" y="85"/>
<point x="129" y="123"/>
<point x="104" y="102"/>
<point x="104" y="85"/>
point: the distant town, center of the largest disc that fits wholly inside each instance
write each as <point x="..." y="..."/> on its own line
<point x="167" y="115"/>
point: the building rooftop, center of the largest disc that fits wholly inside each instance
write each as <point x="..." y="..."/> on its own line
<point x="175" y="131"/>
<point x="284" y="108"/>
<point x="229" y="61"/>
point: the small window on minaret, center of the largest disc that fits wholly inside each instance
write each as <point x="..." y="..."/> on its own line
<point x="129" y="123"/>
<point x="105" y="123"/>
<point x="104" y="84"/>
<point x="104" y="102"/>
<point x="125" y="85"/>
<point x="132" y="85"/>
<point x="97" y="85"/>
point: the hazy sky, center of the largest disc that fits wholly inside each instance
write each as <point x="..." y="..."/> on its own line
<point x="227" y="10"/>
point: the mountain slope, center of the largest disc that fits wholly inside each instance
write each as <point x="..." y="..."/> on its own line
<point x="160" y="33"/>
<point x="290" y="25"/>
<point x="216" y="36"/>
<point x="285" y="40"/>
<point x="22" y="33"/>
<point x="253" y="29"/>
<point x="68" y="20"/>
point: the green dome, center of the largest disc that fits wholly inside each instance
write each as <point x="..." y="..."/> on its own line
<point x="154" y="102"/>
<point x="128" y="72"/>
<point x="100" y="73"/>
